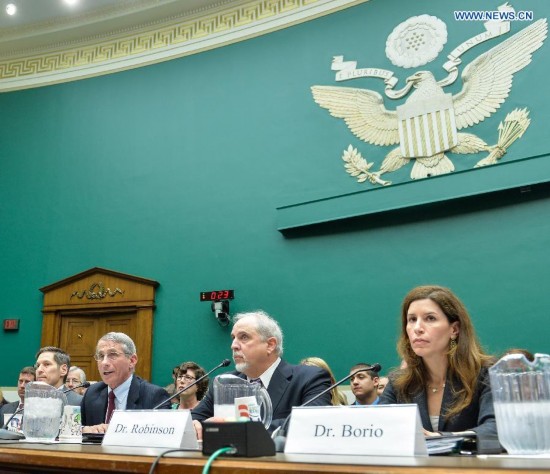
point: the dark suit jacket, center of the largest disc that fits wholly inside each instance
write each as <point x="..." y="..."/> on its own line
<point x="290" y="386"/>
<point x="142" y="396"/>
<point x="7" y="409"/>
<point x="479" y="416"/>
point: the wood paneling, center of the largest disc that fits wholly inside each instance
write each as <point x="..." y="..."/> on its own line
<point x="80" y="309"/>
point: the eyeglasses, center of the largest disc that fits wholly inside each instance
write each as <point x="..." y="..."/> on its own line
<point x="186" y="377"/>
<point x="110" y="355"/>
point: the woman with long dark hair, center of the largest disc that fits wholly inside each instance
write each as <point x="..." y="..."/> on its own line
<point x="445" y="368"/>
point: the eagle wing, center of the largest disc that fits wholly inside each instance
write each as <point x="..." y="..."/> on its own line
<point x="488" y="78"/>
<point x="363" y="111"/>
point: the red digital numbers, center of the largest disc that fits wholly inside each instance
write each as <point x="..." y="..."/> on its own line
<point x="217" y="295"/>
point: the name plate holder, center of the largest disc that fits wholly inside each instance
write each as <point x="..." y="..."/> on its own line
<point x="152" y="429"/>
<point x="378" y="430"/>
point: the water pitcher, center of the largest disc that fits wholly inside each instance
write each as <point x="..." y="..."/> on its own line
<point x="43" y="410"/>
<point x="236" y="398"/>
<point x="521" y="394"/>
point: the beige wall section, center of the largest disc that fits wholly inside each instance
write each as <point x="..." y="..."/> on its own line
<point x="176" y="37"/>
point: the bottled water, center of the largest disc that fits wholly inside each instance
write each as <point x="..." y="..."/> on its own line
<point x="42" y="418"/>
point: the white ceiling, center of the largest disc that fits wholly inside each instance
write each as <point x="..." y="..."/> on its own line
<point x="40" y="24"/>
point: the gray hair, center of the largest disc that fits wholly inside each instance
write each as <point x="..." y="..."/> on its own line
<point x="81" y="373"/>
<point x="266" y="326"/>
<point x="128" y="346"/>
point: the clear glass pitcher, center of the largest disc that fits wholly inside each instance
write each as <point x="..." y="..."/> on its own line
<point x="235" y="397"/>
<point x="43" y="411"/>
<point x="521" y="395"/>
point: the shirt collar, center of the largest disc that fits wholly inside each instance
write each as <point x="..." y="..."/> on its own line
<point x="266" y="376"/>
<point x="121" y="393"/>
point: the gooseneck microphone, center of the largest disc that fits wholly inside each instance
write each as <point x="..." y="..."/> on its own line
<point x="223" y="363"/>
<point x="279" y="436"/>
<point x="82" y="385"/>
<point x="8" y="434"/>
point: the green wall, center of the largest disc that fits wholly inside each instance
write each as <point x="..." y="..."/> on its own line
<point x="173" y="172"/>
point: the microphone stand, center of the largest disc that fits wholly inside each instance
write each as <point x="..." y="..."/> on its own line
<point x="223" y="363"/>
<point x="279" y="435"/>
<point x="13" y="435"/>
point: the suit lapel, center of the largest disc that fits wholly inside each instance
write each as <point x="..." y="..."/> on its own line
<point x="445" y="403"/>
<point x="133" y="394"/>
<point x="279" y="383"/>
<point x="101" y="403"/>
<point x="422" y="402"/>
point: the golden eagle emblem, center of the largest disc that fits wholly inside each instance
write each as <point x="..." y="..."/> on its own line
<point x="427" y="125"/>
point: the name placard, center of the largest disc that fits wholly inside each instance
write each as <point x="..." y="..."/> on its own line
<point x="381" y="430"/>
<point x="151" y="429"/>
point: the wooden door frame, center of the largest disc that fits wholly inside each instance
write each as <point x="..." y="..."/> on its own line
<point x="77" y="296"/>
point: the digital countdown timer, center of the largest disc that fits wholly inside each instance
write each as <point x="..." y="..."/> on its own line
<point x="217" y="295"/>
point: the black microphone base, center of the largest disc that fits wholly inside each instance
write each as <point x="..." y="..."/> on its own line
<point x="249" y="438"/>
<point x="10" y="435"/>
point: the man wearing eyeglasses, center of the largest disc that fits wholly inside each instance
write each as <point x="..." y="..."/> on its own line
<point x="120" y="388"/>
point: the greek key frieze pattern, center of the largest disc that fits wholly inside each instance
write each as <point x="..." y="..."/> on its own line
<point x="176" y="34"/>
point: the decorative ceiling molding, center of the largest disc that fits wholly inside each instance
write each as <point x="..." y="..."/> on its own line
<point x="197" y="31"/>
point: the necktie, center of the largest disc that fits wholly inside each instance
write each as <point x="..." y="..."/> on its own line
<point x="110" y="406"/>
<point x="257" y="381"/>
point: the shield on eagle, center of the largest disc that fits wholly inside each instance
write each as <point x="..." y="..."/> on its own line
<point x="427" y="126"/>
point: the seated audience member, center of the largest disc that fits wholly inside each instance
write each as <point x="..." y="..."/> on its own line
<point x="337" y="397"/>
<point x="120" y="389"/>
<point x="446" y="371"/>
<point x="76" y="377"/>
<point x="52" y="366"/>
<point x="528" y="355"/>
<point x="188" y="373"/>
<point x="364" y="385"/>
<point x="257" y="349"/>
<point x="382" y="382"/>
<point x="26" y="375"/>
<point x="3" y="401"/>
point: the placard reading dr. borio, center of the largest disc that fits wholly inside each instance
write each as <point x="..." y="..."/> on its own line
<point x="151" y="429"/>
<point x="382" y="430"/>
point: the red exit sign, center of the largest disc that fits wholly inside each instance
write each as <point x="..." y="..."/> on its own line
<point x="11" y="324"/>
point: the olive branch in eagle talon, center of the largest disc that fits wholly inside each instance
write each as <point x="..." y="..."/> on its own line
<point x="357" y="166"/>
<point x="426" y="126"/>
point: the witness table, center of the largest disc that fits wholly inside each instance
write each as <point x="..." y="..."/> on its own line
<point x="76" y="458"/>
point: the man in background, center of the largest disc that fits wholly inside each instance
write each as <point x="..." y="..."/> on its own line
<point x="52" y="366"/>
<point x="364" y="385"/>
<point x="382" y="382"/>
<point x="76" y="377"/>
<point x="120" y="389"/>
<point x="26" y="376"/>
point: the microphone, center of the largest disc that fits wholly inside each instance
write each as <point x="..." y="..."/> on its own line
<point x="7" y="434"/>
<point x="279" y="436"/>
<point x="82" y="385"/>
<point x="223" y="363"/>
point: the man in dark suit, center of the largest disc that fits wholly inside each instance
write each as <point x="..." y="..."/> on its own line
<point x="121" y="389"/>
<point x="257" y="349"/>
<point x="26" y="376"/>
